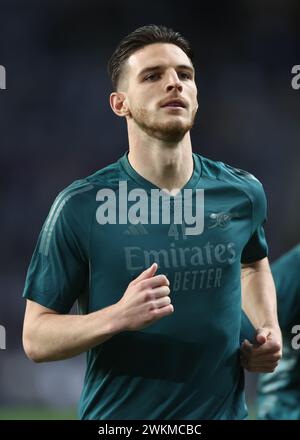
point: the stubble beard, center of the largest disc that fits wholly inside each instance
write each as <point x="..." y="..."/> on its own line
<point x="173" y="131"/>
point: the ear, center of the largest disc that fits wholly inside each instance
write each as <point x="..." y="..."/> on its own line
<point x="118" y="104"/>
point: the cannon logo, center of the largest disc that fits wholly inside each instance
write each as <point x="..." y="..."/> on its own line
<point x="221" y="219"/>
<point x="2" y="78"/>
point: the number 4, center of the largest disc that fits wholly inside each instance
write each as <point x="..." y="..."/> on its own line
<point x="177" y="231"/>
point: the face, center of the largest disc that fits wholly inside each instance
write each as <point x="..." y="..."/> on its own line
<point x="160" y="91"/>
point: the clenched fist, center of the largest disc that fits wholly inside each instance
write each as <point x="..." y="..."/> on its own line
<point x="145" y="301"/>
<point x="262" y="356"/>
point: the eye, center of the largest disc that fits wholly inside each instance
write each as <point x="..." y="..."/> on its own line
<point x="152" y="77"/>
<point x="185" y="75"/>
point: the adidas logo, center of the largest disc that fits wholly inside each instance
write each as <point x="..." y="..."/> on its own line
<point x="138" y="229"/>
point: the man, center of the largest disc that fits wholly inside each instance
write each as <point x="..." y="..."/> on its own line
<point x="160" y="345"/>
<point x="279" y="392"/>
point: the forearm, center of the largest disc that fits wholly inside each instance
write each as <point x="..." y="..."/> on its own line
<point x="55" y="337"/>
<point x="259" y="294"/>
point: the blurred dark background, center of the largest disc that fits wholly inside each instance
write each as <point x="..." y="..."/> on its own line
<point x="56" y="125"/>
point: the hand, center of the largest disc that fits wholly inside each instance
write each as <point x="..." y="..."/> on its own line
<point x="145" y="301"/>
<point x="262" y="356"/>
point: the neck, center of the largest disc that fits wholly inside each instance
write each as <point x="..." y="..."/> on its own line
<point x="168" y="165"/>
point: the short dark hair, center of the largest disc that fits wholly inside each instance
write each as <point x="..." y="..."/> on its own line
<point x="139" y="38"/>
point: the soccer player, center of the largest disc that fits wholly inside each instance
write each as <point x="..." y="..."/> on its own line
<point x="151" y="246"/>
<point x="279" y="392"/>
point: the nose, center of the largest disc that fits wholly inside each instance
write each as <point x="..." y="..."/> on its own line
<point x="173" y="82"/>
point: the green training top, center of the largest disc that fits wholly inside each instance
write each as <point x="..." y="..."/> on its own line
<point x="98" y="237"/>
<point x="279" y="392"/>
